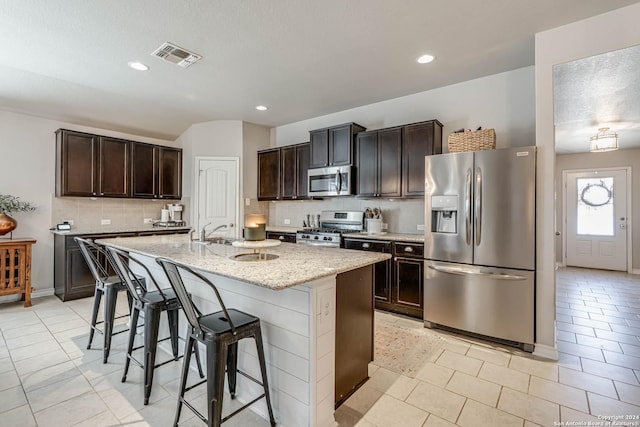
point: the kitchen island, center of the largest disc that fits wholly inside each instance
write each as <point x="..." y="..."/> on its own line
<point x="294" y="295"/>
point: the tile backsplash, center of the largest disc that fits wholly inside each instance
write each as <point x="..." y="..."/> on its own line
<point x="401" y="215"/>
<point x="88" y="213"/>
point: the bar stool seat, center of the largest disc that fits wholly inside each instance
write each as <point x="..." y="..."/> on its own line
<point x="152" y="303"/>
<point x="108" y="286"/>
<point x="220" y="332"/>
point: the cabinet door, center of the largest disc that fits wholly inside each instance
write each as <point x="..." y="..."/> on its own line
<point x="340" y="145"/>
<point x="114" y="167"/>
<point x="390" y="162"/>
<point x="302" y="170"/>
<point x="367" y="163"/>
<point x="288" y="172"/>
<point x="170" y="172"/>
<point x="408" y="285"/>
<point x="144" y="170"/>
<point x="269" y="174"/>
<point x="381" y="271"/>
<point x="77" y="164"/>
<point x="419" y="140"/>
<point x="319" y="148"/>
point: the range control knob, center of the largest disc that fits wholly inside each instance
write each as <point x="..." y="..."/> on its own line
<point x="316" y="237"/>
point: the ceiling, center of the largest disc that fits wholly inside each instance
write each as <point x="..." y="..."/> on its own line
<point x="596" y="92"/>
<point x="302" y="58"/>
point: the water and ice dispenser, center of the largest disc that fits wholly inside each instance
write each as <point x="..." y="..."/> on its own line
<point x="444" y="214"/>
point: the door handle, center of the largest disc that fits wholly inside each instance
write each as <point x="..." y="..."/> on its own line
<point x="478" y="207"/>
<point x="468" y="272"/>
<point x="338" y="182"/>
<point x="467" y="208"/>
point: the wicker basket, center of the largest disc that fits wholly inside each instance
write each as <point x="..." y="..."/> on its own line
<point x="484" y="139"/>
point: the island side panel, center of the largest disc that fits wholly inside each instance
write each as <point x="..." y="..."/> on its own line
<point x="354" y="330"/>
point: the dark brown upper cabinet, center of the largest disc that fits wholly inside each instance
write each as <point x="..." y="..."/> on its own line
<point x="269" y="174"/>
<point x="379" y="163"/>
<point x="156" y="171"/>
<point x="333" y="146"/>
<point x="294" y="165"/>
<point x="418" y="140"/>
<point x="90" y="165"/>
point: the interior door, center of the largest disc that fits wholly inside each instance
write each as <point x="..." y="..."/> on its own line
<point x="596" y="219"/>
<point x="218" y="194"/>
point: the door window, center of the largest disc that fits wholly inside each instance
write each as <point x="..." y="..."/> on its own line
<point x="595" y="216"/>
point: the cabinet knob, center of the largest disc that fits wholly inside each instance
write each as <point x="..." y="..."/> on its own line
<point x="102" y="194"/>
<point x="408" y="249"/>
<point x="366" y="245"/>
<point x="281" y="237"/>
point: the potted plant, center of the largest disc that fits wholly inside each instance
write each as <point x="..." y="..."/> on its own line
<point x="10" y="204"/>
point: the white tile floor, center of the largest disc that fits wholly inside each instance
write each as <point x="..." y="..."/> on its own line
<point x="48" y="378"/>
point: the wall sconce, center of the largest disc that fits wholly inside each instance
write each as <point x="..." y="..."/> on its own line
<point x="604" y="141"/>
<point x="255" y="227"/>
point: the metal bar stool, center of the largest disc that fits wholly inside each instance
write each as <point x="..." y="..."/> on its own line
<point x="152" y="303"/>
<point x="220" y="332"/>
<point x="107" y="285"/>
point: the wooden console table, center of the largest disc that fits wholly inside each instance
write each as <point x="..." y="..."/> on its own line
<point x="15" y="268"/>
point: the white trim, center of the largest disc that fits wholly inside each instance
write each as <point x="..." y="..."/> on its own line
<point x="196" y="182"/>
<point x="629" y="177"/>
<point x="545" y="352"/>
<point x="39" y="293"/>
<point x="635" y="271"/>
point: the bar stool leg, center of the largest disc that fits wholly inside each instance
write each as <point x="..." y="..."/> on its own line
<point x="151" y="326"/>
<point x="232" y="368"/>
<point x="94" y="315"/>
<point x="197" y="353"/>
<point x="110" y="295"/>
<point x="263" y="369"/>
<point x="172" y="317"/>
<point x="135" y="312"/>
<point x="188" y="348"/>
<point x="215" y="382"/>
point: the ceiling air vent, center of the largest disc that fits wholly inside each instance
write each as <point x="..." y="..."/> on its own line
<point x="176" y="55"/>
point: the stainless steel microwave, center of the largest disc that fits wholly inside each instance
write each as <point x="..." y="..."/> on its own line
<point x="331" y="181"/>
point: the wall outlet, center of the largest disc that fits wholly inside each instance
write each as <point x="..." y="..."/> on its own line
<point x="385" y="226"/>
<point x="148" y="220"/>
<point x="69" y="221"/>
<point x="421" y="227"/>
<point x="247" y="201"/>
<point x="287" y="221"/>
<point x="105" y="222"/>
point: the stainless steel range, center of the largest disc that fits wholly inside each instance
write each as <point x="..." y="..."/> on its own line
<point x="332" y="225"/>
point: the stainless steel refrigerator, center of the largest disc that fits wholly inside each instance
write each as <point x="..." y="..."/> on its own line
<point x="479" y="247"/>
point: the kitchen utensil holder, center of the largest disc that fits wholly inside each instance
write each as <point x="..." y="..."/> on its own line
<point x="374" y="225"/>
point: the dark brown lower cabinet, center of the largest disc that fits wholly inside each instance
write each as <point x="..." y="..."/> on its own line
<point x="354" y="331"/>
<point x="382" y="270"/>
<point x="71" y="276"/>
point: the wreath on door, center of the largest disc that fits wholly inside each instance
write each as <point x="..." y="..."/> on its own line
<point x="596" y="194"/>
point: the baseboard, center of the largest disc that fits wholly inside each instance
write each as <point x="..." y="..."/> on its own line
<point x="42" y="293"/>
<point x="560" y="264"/>
<point x="635" y="271"/>
<point x="545" y="352"/>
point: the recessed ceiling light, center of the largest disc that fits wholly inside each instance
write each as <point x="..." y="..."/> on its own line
<point x="139" y="66"/>
<point x="425" y="59"/>
<point x="261" y="108"/>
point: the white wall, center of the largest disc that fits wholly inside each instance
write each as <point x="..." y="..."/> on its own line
<point x="593" y="36"/>
<point x="28" y="151"/>
<point x="621" y="158"/>
<point x="502" y="101"/>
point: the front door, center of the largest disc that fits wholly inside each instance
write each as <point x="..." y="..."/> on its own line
<point x="596" y="219"/>
<point x="217" y="193"/>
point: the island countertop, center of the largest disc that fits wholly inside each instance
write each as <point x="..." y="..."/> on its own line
<point x="296" y="264"/>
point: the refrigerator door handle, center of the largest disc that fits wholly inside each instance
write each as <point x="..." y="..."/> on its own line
<point x="465" y="271"/>
<point x="478" y="203"/>
<point x="467" y="207"/>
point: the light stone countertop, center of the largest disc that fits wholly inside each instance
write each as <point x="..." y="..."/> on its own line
<point x="296" y="264"/>
<point x="398" y="237"/>
<point x="283" y="228"/>
<point x="117" y="229"/>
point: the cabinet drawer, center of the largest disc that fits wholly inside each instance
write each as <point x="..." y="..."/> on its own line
<point x="411" y="250"/>
<point x="283" y="237"/>
<point x="368" y="245"/>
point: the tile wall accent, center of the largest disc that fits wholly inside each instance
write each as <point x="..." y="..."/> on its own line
<point x="402" y="216"/>
<point x="87" y="212"/>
